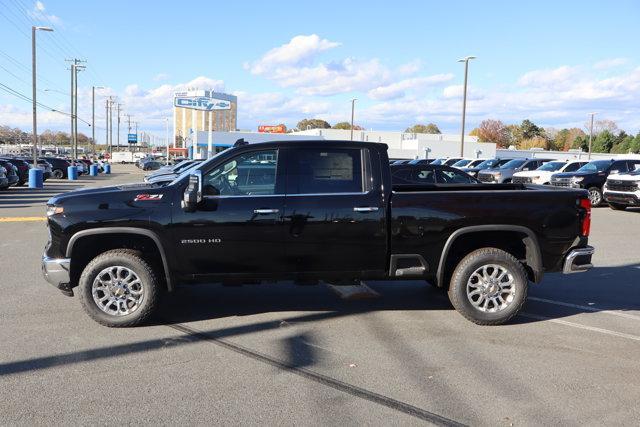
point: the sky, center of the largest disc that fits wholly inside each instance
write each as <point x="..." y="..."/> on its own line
<point x="552" y="62"/>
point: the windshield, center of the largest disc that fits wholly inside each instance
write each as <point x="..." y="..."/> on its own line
<point x="474" y="163"/>
<point x="513" y="164"/>
<point x="487" y="164"/>
<point x="551" y="166"/>
<point x="461" y="163"/>
<point x="595" y="166"/>
<point x="438" y="161"/>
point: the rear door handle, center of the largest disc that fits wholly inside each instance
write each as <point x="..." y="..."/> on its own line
<point x="365" y="209"/>
<point x="265" y="211"/>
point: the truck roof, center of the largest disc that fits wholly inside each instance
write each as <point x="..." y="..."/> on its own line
<point x="316" y="142"/>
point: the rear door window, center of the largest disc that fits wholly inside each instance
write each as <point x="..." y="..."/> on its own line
<point x="326" y="170"/>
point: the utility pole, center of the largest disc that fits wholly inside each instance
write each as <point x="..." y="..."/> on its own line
<point x="353" y="107"/>
<point x="93" y="115"/>
<point x="33" y="88"/>
<point x="106" y="123"/>
<point x="75" y="67"/>
<point x="591" y="134"/>
<point x="110" y="126"/>
<point x="464" y="100"/>
<point x="118" y="109"/>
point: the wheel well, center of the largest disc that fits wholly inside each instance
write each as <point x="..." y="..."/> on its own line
<point x="88" y="247"/>
<point x="518" y="244"/>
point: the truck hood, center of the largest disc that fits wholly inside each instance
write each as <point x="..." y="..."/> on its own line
<point x="572" y="174"/>
<point x="632" y="176"/>
<point x="107" y="192"/>
<point x="533" y="173"/>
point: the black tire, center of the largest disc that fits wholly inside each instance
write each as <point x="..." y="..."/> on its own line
<point x="57" y="174"/>
<point x="133" y="261"/>
<point x="466" y="268"/>
<point x="617" y="207"/>
<point x="21" y="183"/>
<point x="595" y="196"/>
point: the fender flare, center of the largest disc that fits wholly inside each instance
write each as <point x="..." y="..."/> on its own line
<point x="533" y="254"/>
<point x="125" y="230"/>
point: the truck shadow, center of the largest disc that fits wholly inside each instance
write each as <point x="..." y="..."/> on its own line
<point x="600" y="289"/>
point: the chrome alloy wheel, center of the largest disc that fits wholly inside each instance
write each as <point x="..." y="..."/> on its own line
<point x="491" y="288"/>
<point x="595" y="197"/>
<point x="117" y="291"/>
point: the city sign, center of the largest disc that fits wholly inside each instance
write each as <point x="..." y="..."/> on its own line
<point x="132" y="138"/>
<point x="205" y="103"/>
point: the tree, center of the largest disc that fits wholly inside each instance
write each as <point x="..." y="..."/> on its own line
<point x="305" y="124"/>
<point x="603" y="142"/>
<point x="529" y="130"/>
<point x="535" y="142"/>
<point x="418" y="128"/>
<point x="602" y="125"/>
<point x="493" y="131"/>
<point x="346" y="126"/>
<point x="565" y="137"/>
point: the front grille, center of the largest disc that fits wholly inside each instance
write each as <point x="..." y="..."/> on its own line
<point x="614" y="185"/>
<point x="485" y="177"/>
<point x="521" y="180"/>
<point x="561" y="182"/>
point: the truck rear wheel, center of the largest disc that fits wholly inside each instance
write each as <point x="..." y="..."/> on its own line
<point x="489" y="286"/>
<point x="118" y="288"/>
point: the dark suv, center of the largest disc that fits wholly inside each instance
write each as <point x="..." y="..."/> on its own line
<point x="22" y="169"/>
<point x="59" y="167"/>
<point x="593" y="175"/>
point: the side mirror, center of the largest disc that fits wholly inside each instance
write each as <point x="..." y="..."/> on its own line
<point x="193" y="194"/>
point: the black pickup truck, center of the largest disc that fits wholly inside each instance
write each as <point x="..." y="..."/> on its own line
<point x="311" y="211"/>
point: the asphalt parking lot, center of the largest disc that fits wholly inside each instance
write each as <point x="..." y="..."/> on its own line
<point x="291" y="355"/>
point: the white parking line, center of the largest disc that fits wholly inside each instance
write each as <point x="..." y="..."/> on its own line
<point x="586" y="308"/>
<point x="579" y="326"/>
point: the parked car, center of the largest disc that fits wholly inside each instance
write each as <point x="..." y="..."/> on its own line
<point x="487" y="164"/>
<point x="151" y="165"/>
<point x="593" y="175"/>
<point x="22" y="169"/>
<point x="401" y="162"/>
<point x="504" y="173"/>
<point x="4" y="181"/>
<point x="11" y="172"/>
<point x="311" y="210"/>
<point x="542" y="175"/>
<point x="446" y="161"/>
<point x="80" y="166"/>
<point x="429" y="174"/>
<point x="467" y="163"/>
<point x="58" y="167"/>
<point x="622" y="190"/>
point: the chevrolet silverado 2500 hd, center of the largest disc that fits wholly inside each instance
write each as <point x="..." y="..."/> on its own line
<point x="311" y="211"/>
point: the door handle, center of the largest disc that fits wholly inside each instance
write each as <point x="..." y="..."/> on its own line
<point x="265" y="211"/>
<point x="365" y="209"/>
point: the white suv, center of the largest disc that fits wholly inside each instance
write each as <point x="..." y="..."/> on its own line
<point x="542" y="175"/>
<point x="622" y="190"/>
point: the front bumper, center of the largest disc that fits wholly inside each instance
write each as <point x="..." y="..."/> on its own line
<point x="56" y="272"/>
<point x="629" y="199"/>
<point x="578" y="260"/>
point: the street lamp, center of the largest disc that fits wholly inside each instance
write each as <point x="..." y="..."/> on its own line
<point x="93" y="115"/>
<point x="353" y="107"/>
<point x="166" y="135"/>
<point x="36" y="182"/>
<point x="590" y="133"/>
<point x="464" y="99"/>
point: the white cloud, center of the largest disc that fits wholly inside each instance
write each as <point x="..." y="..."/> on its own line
<point x="160" y="77"/>
<point x="610" y="63"/>
<point x="410" y="67"/>
<point x="397" y="89"/>
<point x="39" y="13"/>
<point x="557" y="77"/>
<point x="299" y="50"/>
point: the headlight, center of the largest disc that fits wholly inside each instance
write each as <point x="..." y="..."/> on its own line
<point x="54" y="210"/>
<point x="533" y="178"/>
<point x="577" y="179"/>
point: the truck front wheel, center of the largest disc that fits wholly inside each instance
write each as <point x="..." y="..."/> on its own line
<point x="118" y="288"/>
<point x="488" y="286"/>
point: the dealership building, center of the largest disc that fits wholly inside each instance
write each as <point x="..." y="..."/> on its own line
<point x="197" y="112"/>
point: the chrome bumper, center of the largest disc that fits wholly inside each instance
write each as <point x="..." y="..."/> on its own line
<point x="578" y="260"/>
<point x="56" y="272"/>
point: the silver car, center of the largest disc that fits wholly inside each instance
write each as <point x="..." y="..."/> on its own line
<point x="504" y="173"/>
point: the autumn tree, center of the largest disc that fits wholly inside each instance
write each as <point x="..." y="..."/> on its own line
<point x="305" y="124"/>
<point x="419" y="128"/>
<point x="493" y="131"/>
<point x="346" y="126"/>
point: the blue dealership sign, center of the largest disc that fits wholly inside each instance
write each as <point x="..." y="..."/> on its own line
<point x="132" y="138"/>
<point x="201" y="103"/>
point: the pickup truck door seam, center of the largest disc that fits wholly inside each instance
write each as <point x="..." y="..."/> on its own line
<point x="125" y="230"/>
<point x="533" y="249"/>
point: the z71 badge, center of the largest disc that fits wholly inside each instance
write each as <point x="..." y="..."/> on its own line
<point x="147" y="197"/>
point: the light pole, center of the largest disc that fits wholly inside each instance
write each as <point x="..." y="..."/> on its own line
<point x="37" y="183"/>
<point x="590" y="134"/>
<point x="166" y="136"/>
<point x="93" y="115"/>
<point x="464" y="100"/>
<point x="353" y="107"/>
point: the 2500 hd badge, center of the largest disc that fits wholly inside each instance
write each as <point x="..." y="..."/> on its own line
<point x="191" y="241"/>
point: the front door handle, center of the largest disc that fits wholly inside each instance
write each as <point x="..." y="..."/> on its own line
<point x="265" y="211"/>
<point x="365" y="209"/>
